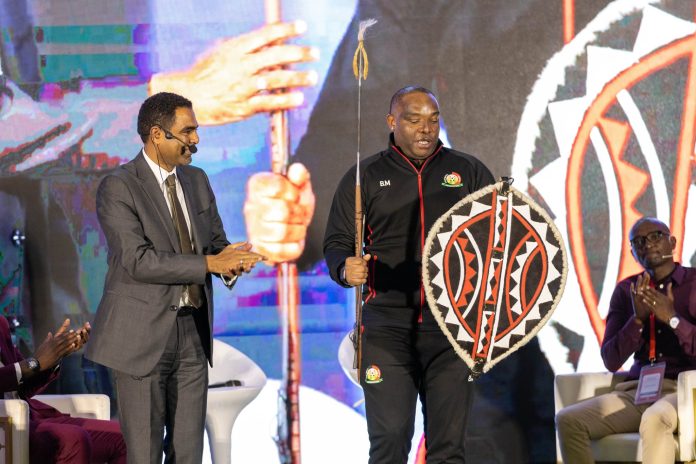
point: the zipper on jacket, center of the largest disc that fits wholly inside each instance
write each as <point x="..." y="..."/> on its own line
<point x="422" y="217"/>
<point x="421" y="203"/>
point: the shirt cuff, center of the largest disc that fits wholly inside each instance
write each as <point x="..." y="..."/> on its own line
<point x="342" y="275"/>
<point x="684" y="330"/>
<point x="18" y="373"/>
<point x="632" y="330"/>
<point x="229" y="281"/>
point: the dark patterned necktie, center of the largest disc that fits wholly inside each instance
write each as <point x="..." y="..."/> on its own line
<point x="192" y="292"/>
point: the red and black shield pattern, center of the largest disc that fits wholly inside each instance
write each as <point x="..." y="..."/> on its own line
<point x="494" y="269"/>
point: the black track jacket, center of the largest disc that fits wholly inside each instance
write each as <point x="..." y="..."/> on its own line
<point x="401" y="202"/>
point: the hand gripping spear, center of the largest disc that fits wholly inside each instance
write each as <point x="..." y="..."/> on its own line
<point x="288" y="434"/>
<point x="360" y="68"/>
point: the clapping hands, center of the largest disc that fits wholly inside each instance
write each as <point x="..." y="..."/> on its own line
<point x="61" y="343"/>
<point x="647" y="300"/>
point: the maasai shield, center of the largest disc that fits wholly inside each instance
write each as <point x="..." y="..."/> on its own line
<point x="494" y="268"/>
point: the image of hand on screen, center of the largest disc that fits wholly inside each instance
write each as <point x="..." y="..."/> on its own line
<point x="243" y="75"/>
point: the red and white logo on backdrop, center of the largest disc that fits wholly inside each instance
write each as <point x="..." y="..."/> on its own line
<point x="613" y="113"/>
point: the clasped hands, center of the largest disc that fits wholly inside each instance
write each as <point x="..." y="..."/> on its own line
<point x="647" y="300"/>
<point x="234" y="260"/>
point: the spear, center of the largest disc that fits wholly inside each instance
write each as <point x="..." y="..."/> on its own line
<point x="288" y="434"/>
<point x="360" y="69"/>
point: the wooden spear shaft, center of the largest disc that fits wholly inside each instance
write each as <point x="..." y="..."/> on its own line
<point x="289" y="444"/>
<point x="357" y="342"/>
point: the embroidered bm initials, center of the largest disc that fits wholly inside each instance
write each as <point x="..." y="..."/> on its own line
<point x="385" y="183"/>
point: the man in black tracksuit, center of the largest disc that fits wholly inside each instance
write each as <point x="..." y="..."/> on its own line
<point x="405" y="189"/>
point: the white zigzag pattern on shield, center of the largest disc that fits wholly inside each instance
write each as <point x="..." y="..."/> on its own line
<point x="517" y="274"/>
<point x="439" y="279"/>
<point x="551" y="275"/>
<point x="483" y="341"/>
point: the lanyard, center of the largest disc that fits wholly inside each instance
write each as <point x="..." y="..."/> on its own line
<point x="651" y="355"/>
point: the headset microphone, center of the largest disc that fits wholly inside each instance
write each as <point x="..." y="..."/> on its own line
<point x="666" y="256"/>
<point x="168" y="135"/>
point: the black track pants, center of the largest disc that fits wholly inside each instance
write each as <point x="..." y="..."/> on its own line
<point x="399" y="364"/>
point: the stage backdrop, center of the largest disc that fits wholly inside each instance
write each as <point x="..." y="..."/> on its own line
<point x="590" y="106"/>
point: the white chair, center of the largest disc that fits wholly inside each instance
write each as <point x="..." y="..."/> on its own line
<point x="14" y="420"/>
<point x="625" y="447"/>
<point x="225" y="403"/>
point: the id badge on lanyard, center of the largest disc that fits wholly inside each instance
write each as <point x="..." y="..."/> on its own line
<point x="652" y="375"/>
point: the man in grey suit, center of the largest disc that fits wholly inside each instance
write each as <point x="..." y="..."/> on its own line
<point x="153" y="327"/>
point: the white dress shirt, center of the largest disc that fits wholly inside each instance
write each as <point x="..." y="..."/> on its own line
<point x="161" y="175"/>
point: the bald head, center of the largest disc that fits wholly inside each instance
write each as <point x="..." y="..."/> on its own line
<point x="647" y="220"/>
<point x="653" y="246"/>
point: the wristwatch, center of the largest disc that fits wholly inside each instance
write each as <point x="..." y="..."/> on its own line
<point x="33" y="364"/>
<point x="674" y="322"/>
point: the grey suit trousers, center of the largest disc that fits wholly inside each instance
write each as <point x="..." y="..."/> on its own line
<point x="171" y="399"/>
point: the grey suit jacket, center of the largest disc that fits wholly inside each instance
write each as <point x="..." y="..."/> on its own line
<point x="146" y="267"/>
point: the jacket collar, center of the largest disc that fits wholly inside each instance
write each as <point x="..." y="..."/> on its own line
<point x="678" y="274"/>
<point x="399" y="155"/>
<point x="153" y="189"/>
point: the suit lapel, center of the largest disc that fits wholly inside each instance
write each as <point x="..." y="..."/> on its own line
<point x="153" y="190"/>
<point x="191" y="206"/>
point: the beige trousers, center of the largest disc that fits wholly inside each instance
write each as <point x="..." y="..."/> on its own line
<point x="614" y="412"/>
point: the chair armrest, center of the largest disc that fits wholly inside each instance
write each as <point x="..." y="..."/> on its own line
<point x="686" y="389"/>
<point x="90" y="406"/>
<point x="18" y="412"/>
<point x="573" y="388"/>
